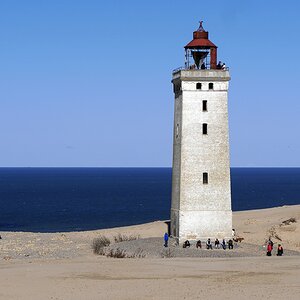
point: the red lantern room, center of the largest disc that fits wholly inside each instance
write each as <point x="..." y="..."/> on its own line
<point x="200" y="53"/>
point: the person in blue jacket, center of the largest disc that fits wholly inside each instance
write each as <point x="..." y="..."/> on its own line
<point x="166" y="238"/>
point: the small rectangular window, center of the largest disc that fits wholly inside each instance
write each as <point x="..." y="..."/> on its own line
<point x="198" y="86"/>
<point x="210" y="86"/>
<point x="204" y="128"/>
<point x="205" y="178"/>
<point x="177" y="131"/>
<point x="204" y="105"/>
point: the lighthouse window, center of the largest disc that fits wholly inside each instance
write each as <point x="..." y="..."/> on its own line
<point x="198" y="86"/>
<point x="204" y="128"/>
<point x="205" y="178"/>
<point x="177" y="131"/>
<point x="210" y="86"/>
<point x="204" y="105"/>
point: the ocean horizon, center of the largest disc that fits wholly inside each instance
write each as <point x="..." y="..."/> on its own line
<point x="90" y="198"/>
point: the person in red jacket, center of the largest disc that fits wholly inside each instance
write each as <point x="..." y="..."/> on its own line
<point x="269" y="249"/>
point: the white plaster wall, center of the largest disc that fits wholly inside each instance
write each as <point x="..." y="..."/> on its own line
<point x="176" y="166"/>
<point x="191" y="85"/>
<point x="206" y="224"/>
<point x="204" y="153"/>
<point x="201" y="210"/>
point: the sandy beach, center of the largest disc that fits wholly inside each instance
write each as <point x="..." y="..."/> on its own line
<point x="63" y="265"/>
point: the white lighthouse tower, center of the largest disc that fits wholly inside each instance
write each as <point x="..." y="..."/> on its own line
<point x="201" y="196"/>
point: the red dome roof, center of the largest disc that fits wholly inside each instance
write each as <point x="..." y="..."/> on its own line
<point x="200" y="39"/>
<point x="195" y="43"/>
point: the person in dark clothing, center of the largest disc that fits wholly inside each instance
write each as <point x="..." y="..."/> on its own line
<point x="279" y="250"/>
<point x="198" y="244"/>
<point x="224" y="244"/>
<point x="186" y="244"/>
<point x="219" y="65"/>
<point x="166" y="239"/>
<point x="230" y="244"/>
<point x="208" y="244"/>
<point x="203" y="66"/>
<point x="217" y="244"/>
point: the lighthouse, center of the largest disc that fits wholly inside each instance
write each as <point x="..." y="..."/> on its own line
<point x="201" y="194"/>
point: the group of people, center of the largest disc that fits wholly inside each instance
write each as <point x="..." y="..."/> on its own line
<point x="270" y="246"/>
<point x="209" y="244"/>
<point x="202" y="67"/>
<point x="218" y="245"/>
<point x="221" y="66"/>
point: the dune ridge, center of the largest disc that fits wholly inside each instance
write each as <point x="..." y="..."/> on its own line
<point x="62" y="265"/>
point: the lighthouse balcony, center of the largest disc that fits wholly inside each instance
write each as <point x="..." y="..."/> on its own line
<point x="204" y="75"/>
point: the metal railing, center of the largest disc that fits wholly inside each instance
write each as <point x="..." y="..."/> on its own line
<point x="191" y="69"/>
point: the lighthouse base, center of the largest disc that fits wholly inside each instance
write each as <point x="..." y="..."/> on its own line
<point x="201" y="225"/>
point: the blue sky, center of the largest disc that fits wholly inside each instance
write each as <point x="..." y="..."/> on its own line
<point x="88" y="83"/>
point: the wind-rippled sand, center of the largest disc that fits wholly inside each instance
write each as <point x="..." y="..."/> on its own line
<point x="63" y="266"/>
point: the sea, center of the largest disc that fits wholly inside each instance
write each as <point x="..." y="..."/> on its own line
<point x="75" y="199"/>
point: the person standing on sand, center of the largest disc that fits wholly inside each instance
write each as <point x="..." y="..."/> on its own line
<point x="269" y="249"/>
<point x="271" y="243"/>
<point x="233" y="232"/>
<point x="166" y="239"/>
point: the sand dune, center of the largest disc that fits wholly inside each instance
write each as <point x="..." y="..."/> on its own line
<point x="62" y="265"/>
<point x="258" y="225"/>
